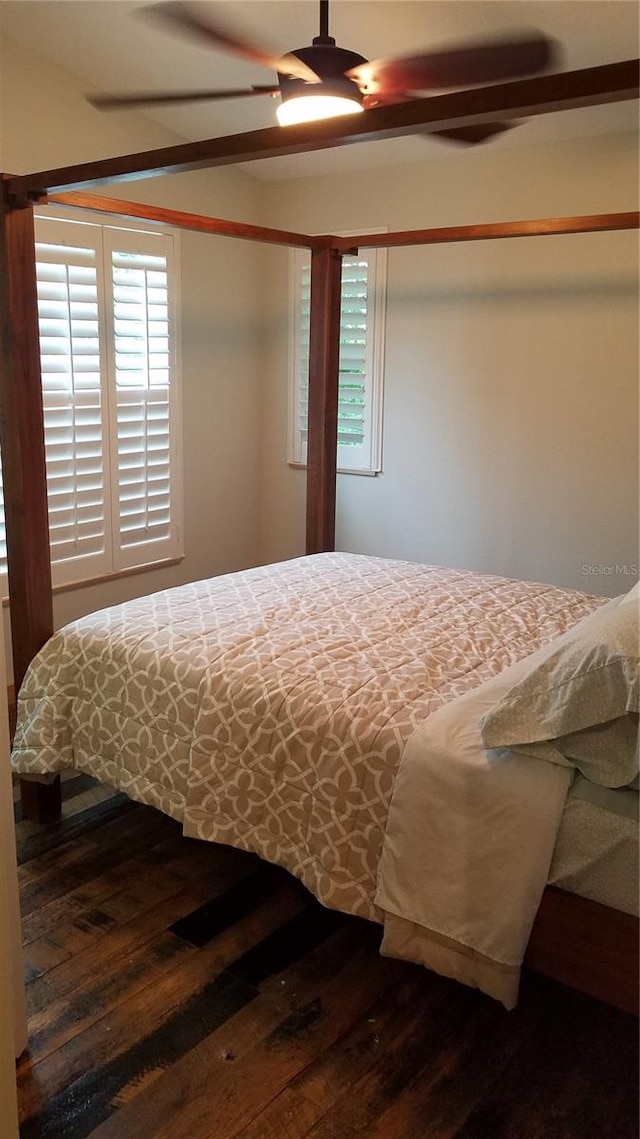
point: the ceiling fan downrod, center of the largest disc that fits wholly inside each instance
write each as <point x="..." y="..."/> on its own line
<point x="323" y="38"/>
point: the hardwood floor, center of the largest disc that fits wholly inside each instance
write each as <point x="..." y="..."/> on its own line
<point x="180" y="989"/>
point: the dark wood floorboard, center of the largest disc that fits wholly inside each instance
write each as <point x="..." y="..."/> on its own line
<point x="182" y="990"/>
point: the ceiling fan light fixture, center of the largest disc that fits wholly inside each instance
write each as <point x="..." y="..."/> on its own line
<point x="311" y="108"/>
<point x="333" y="94"/>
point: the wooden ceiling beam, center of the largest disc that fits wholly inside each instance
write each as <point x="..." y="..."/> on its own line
<point x="198" y="222"/>
<point x="538" y="227"/>
<point x="522" y="98"/>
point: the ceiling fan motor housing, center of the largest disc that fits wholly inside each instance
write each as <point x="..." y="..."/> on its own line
<point x="329" y="63"/>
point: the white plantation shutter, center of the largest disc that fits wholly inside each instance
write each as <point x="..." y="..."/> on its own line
<point x="69" y="269"/>
<point x="355" y="353"/>
<point x="360" y="363"/>
<point x="107" y="302"/>
<point x="144" y="406"/>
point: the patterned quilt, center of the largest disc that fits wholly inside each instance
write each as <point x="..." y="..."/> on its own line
<point x="269" y="709"/>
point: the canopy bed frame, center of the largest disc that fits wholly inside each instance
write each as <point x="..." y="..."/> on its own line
<point x="565" y="923"/>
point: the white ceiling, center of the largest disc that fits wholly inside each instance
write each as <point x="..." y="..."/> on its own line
<point x="112" y="49"/>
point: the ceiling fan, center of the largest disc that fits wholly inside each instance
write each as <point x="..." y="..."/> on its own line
<point x="322" y="80"/>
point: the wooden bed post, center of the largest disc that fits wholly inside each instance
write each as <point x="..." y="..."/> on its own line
<point x="23" y="465"/>
<point x="322" y="445"/>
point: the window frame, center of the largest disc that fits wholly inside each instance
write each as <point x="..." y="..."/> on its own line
<point x="371" y="455"/>
<point x="117" y="561"/>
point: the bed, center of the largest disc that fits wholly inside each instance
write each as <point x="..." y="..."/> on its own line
<point x="21" y="415"/>
<point x="326" y="714"/>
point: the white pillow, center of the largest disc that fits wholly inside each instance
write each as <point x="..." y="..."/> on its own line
<point x="579" y="702"/>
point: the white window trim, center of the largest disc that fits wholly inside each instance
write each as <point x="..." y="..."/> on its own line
<point x="296" y="448"/>
<point x="70" y="572"/>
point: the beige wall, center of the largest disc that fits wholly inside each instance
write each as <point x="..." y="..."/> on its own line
<point x="511" y="422"/>
<point x="511" y="368"/>
<point x="45" y="122"/>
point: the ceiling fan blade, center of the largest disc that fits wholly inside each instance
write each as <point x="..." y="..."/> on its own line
<point x="198" y="21"/>
<point x="141" y="98"/>
<point x="387" y="99"/>
<point x="459" y="67"/>
<point x="480" y="132"/>
<point x="477" y="132"/>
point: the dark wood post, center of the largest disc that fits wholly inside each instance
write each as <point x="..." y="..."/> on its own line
<point x="23" y="465"/>
<point x="322" y="446"/>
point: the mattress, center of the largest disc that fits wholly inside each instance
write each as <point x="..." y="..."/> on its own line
<point x="596" y="851"/>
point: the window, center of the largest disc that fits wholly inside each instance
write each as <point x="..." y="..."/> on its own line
<point x="361" y="360"/>
<point x="107" y="306"/>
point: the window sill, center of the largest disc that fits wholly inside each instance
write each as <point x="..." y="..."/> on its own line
<point x="340" y="471"/>
<point x="84" y="583"/>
